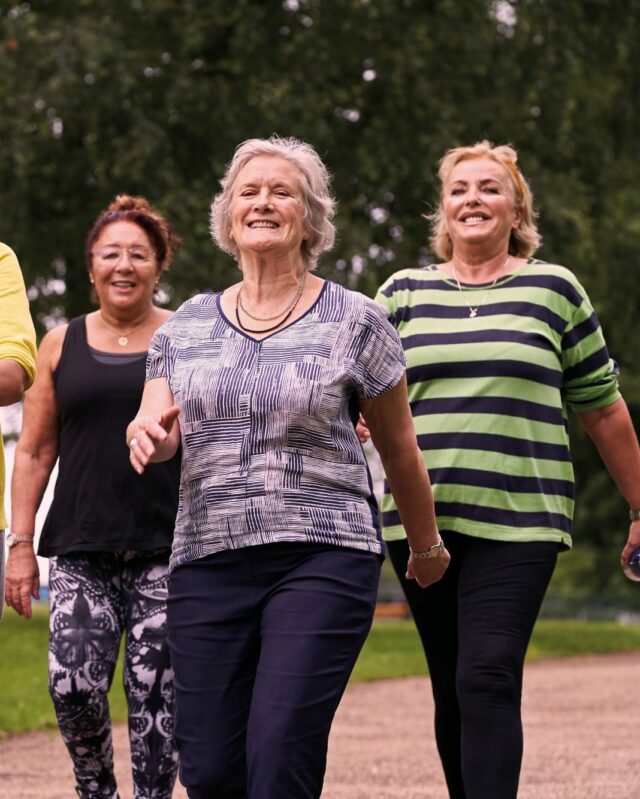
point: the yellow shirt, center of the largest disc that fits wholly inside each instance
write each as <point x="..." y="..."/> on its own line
<point x="17" y="335"/>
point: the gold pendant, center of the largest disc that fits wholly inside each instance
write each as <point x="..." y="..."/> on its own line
<point x="123" y="341"/>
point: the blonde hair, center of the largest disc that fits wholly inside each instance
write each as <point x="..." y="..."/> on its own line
<point x="319" y="205"/>
<point x="525" y="238"/>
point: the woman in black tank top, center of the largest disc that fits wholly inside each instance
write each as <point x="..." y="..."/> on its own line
<point x="108" y="532"/>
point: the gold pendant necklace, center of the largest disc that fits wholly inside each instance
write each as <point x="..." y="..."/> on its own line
<point x="473" y="311"/>
<point x="122" y="338"/>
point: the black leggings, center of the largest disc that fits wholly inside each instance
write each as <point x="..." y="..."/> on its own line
<point x="475" y="625"/>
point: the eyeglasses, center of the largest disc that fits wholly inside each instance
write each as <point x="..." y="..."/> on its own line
<point x="111" y="256"/>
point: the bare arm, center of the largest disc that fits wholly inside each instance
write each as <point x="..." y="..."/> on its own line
<point x="35" y="457"/>
<point x="611" y="430"/>
<point x="388" y="418"/>
<point x="13" y="382"/>
<point x="154" y="435"/>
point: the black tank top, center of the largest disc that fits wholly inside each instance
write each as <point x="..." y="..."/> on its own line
<point x="100" y="503"/>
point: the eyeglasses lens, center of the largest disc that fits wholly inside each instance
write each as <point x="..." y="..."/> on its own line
<point x="112" y="255"/>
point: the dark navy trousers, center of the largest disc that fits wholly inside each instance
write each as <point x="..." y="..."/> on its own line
<point x="263" y="640"/>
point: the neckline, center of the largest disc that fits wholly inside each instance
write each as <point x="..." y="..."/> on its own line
<point x="140" y="354"/>
<point x="105" y="352"/>
<point x="479" y="286"/>
<point x="275" y="332"/>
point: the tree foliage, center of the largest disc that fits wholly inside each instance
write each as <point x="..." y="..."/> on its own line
<point x="152" y="96"/>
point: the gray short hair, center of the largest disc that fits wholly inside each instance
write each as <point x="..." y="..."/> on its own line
<point x="319" y="204"/>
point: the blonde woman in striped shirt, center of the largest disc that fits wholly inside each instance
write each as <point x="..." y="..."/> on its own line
<point x="498" y="345"/>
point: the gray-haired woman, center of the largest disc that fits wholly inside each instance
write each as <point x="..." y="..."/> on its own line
<point x="277" y="547"/>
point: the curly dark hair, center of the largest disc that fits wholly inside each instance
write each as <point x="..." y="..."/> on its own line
<point x="126" y="208"/>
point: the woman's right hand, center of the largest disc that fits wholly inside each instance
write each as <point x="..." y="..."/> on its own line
<point x="22" y="580"/>
<point x="146" y="433"/>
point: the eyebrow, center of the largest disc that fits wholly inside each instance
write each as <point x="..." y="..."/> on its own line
<point x="253" y="183"/>
<point x="123" y="246"/>
<point x="482" y="182"/>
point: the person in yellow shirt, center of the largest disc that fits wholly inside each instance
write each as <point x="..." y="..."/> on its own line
<point x="17" y="362"/>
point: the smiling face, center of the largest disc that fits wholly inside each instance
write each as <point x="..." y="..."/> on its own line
<point x="266" y="212"/>
<point x="478" y="201"/>
<point x="124" y="268"/>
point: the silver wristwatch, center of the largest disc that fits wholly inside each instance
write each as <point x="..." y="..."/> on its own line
<point x="634" y="515"/>
<point x="13" y="539"/>
<point x="433" y="551"/>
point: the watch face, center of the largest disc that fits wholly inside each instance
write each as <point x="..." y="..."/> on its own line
<point x="13" y="539"/>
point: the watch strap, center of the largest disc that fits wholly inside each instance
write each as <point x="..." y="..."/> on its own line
<point x="13" y="539"/>
<point x="433" y="551"/>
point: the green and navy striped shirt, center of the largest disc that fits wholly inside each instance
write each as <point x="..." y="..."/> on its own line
<point x="489" y="395"/>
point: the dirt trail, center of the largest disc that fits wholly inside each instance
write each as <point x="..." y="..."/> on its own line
<point x="582" y="737"/>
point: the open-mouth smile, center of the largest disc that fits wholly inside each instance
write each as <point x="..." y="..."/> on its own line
<point x="263" y="223"/>
<point x="474" y="219"/>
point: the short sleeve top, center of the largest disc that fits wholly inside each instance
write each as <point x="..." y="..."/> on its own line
<point x="17" y="335"/>
<point x="270" y="451"/>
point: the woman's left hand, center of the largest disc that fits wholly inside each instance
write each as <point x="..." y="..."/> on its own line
<point x="426" y="571"/>
<point x="612" y="431"/>
<point x="633" y="542"/>
<point x="362" y="430"/>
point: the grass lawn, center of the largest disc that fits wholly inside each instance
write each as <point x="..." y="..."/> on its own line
<point x="24" y="699"/>
<point x="392" y="650"/>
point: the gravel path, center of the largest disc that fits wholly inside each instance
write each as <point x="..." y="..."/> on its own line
<point x="581" y="740"/>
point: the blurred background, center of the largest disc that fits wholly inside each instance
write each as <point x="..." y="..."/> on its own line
<point x="152" y="96"/>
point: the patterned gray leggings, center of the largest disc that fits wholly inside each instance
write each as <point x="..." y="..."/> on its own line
<point x="93" y="599"/>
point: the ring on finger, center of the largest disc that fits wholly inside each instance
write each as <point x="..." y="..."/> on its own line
<point x="132" y="443"/>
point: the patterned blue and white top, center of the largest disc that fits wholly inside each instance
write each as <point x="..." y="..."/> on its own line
<point x="269" y="448"/>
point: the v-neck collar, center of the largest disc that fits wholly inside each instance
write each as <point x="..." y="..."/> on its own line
<point x="275" y="332"/>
